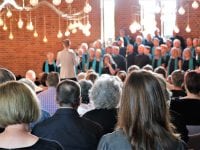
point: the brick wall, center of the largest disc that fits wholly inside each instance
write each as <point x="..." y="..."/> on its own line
<point x="26" y="52"/>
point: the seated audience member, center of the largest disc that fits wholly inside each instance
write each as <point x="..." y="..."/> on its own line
<point x="44" y="114"/>
<point x="143" y="118"/>
<point x="66" y="126"/>
<point x="6" y="75"/>
<point x="86" y="105"/>
<point x="189" y="62"/>
<point x="132" y="68"/>
<point x="189" y="105"/>
<point x="109" y="66"/>
<point x="25" y="109"/>
<point x="174" y="62"/>
<point x="50" y="64"/>
<point x="177" y="81"/>
<point x="122" y="75"/>
<point x="81" y="76"/>
<point x="30" y="74"/>
<point x="148" y="67"/>
<point x="161" y="70"/>
<point x="42" y="80"/>
<point x="92" y="76"/>
<point x="105" y="94"/>
<point x="47" y="97"/>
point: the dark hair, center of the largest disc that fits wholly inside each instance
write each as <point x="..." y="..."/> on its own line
<point x="43" y="78"/>
<point x="122" y="75"/>
<point x="178" y="78"/>
<point x="67" y="42"/>
<point x="85" y="87"/>
<point x="92" y="76"/>
<point x="132" y="68"/>
<point x="161" y="70"/>
<point x="192" y="82"/>
<point x="148" y="67"/>
<point x="53" y="79"/>
<point x="6" y="75"/>
<point x="143" y="113"/>
<point x="68" y="92"/>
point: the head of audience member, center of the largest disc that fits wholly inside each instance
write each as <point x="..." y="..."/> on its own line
<point x="174" y="52"/>
<point x="109" y="50"/>
<point x="157" y="52"/>
<point x="155" y="42"/>
<point x="187" y="54"/>
<point x="195" y="42"/>
<point x="66" y="43"/>
<point x="143" y="104"/>
<point x="86" y="85"/>
<point x="30" y="74"/>
<point x="43" y="79"/>
<point x="189" y="42"/>
<point x="50" y="57"/>
<point x="106" y="92"/>
<point x="147" y="50"/>
<point x="122" y="75"/>
<point x="147" y="67"/>
<point x="22" y="100"/>
<point x="84" y="47"/>
<point x="68" y="94"/>
<point x="6" y="75"/>
<point x="129" y="49"/>
<point x="29" y="83"/>
<point x="178" y="78"/>
<point x="132" y="68"/>
<point x="98" y="54"/>
<point x="53" y="79"/>
<point x="161" y="70"/>
<point x="115" y="50"/>
<point x="81" y="76"/>
<point x="177" y="43"/>
<point x="92" y="76"/>
<point x="141" y="49"/>
<point x="192" y="83"/>
<point x="163" y="49"/>
<point x="138" y="40"/>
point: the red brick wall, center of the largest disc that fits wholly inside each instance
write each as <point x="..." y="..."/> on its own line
<point x="26" y="52"/>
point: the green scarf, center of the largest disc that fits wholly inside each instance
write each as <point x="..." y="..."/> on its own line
<point x="175" y="65"/>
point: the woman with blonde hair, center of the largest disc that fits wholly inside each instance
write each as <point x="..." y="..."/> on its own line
<point x="143" y="119"/>
<point x="19" y="107"/>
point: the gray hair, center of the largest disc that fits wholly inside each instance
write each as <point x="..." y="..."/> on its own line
<point x="106" y="92"/>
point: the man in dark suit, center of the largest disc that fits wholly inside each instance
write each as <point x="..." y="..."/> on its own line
<point x="66" y="126"/>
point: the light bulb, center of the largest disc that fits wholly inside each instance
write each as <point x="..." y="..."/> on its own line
<point x="87" y="8"/>
<point x="9" y="13"/>
<point x="181" y="10"/>
<point x="11" y="37"/>
<point x="31" y="26"/>
<point x="56" y="2"/>
<point x="5" y="27"/>
<point x="74" y="30"/>
<point x="20" y="23"/>
<point x="69" y="1"/>
<point x="195" y="5"/>
<point x="88" y="25"/>
<point x="35" y="34"/>
<point x="1" y="22"/>
<point x="176" y="29"/>
<point x="88" y="33"/>
<point x="67" y="33"/>
<point x="59" y="35"/>
<point x="188" y="29"/>
<point x="71" y="26"/>
<point x="45" y="40"/>
<point x="34" y="2"/>
<point x="133" y="27"/>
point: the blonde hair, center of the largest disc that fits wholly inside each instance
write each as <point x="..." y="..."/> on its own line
<point x="18" y="104"/>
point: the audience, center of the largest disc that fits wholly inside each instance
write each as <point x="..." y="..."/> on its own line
<point x="19" y="107"/>
<point x="66" y="126"/>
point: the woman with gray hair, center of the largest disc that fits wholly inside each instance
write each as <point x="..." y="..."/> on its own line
<point x="105" y="94"/>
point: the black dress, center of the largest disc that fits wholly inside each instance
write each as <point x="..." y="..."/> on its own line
<point x="185" y="66"/>
<point x="41" y="144"/>
<point x="106" y="69"/>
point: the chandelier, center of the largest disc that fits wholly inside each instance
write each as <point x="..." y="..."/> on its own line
<point x="75" y="20"/>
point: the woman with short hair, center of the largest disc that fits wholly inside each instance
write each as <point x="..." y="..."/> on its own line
<point x="19" y="107"/>
<point x="143" y="119"/>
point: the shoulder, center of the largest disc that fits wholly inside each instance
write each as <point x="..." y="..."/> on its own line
<point x="114" y="141"/>
<point x="47" y="145"/>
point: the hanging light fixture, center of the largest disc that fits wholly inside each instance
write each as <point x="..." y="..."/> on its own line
<point x="11" y="37"/>
<point x="34" y="2"/>
<point x="45" y="40"/>
<point x="59" y="34"/>
<point x="56" y="2"/>
<point x="195" y="4"/>
<point x="181" y="10"/>
<point x="87" y="8"/>
<point x="35" y="34"/>
<point x="20" y="22"/>
<point x="4" y="25"/>
<point x="1" y="21"/>
<point x="188" y="29"/>
<point x="69" y="1"/>
<point x="67" y="33"/>
<point x="8" y="13"/>
<point x="29" y="25"/>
